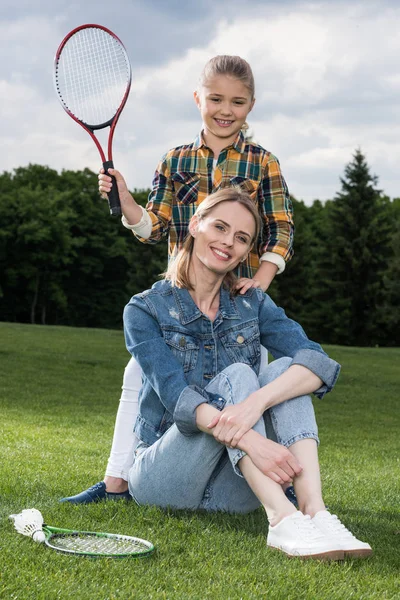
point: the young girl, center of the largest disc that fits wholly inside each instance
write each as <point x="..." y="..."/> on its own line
<point x="219" y="157"/>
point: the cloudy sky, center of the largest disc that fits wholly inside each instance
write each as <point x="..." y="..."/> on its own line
<point x="327" y="82"/>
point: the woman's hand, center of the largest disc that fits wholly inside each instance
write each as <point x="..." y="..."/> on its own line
<point x="233" y="422"/>
<point x="243" y="284"/>
<point x="274" y="460"/>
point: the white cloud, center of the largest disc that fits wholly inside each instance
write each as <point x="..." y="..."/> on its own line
<point x="327" y="82"/>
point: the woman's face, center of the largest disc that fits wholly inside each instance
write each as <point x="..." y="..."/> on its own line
<point x="223" y="238"/>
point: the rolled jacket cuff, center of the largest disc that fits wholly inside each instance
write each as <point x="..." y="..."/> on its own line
<point x="321" y="365"/>
<point x="185" y="410"/>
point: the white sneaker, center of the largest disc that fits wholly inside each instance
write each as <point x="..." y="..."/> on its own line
<point x="333" y="528"/>
<point x="296" y="535"/>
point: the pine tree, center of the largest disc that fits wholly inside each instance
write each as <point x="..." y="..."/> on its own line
<point x="353" y="259"/>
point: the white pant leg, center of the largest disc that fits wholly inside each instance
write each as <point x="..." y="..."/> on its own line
<point x="264" y="357"/>
<point x="125" y="440"/>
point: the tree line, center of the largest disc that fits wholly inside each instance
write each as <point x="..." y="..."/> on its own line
<point x="65" y="261"/>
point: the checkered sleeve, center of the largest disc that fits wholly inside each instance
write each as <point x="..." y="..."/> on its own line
<point x="159" y="204"/>
<point x="276" y="210"/>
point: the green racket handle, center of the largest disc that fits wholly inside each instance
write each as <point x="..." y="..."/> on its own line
<point x="113" y="196"/>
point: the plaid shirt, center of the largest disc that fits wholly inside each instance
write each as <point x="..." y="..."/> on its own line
<point x="184" y="178"/>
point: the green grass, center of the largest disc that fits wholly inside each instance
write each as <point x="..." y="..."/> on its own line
<point x="59" y="391"/>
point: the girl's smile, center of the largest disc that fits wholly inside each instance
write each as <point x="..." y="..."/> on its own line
<point x="224" y="103"/>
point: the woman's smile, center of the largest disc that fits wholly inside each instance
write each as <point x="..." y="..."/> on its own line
<point x="221" y="254"/>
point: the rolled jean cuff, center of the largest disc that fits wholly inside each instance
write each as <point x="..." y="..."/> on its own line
<point x="235" y="454"/>
<point x="299" y="437"/>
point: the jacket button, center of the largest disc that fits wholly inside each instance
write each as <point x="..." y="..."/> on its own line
<point x="182" y="342"/>
<point x="240" y="339"/>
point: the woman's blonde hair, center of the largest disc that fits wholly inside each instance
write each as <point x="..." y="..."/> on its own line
<point x="178" y="268"/>
<point x="234" y="66"/>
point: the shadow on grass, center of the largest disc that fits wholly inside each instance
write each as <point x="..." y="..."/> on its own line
<point x="380" y="529"/>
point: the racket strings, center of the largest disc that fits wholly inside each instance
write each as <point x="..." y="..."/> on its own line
<point x="87" y="543"/>
<point x="92" y="75"/>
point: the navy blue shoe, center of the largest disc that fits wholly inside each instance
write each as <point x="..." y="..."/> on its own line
<point x="291" y="495"/>
<point x="96" y="493"/>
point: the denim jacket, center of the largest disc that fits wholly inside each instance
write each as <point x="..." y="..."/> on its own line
<point x="180" y="350"/>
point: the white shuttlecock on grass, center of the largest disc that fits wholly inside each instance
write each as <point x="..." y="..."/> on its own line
<point x="29" y="522"/>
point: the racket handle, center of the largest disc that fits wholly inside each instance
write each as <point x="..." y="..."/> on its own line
<point x="113" y="196"/>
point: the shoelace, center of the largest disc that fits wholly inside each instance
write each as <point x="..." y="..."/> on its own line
<point x="307" y="529"/>
<point x="96" y="486"/>
<point x="336" y="526"/>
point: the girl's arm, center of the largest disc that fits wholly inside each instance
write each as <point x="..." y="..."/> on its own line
<point x="149" y="225"/>
<point x="276" y="211"/>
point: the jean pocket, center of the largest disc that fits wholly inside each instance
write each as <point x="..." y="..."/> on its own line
<point x="242" y="343"/>
<point x="186" y="186"/>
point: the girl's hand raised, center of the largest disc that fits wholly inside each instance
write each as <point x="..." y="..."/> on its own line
<point x="105" y="183"/>
<point x="130" y="209"/>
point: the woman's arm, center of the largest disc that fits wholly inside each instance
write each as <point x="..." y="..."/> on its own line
<point x="274" y="460"/>
<point x="233" y="422"/>
<point x="164" y="372"/>
<point x="311" y="371"/>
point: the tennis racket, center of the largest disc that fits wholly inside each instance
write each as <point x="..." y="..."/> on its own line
<point x="84" y="543"/>
<point x="92" y="76"/>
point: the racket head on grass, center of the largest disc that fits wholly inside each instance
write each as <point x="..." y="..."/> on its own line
<point x="92" y="77"/>
<point x="89" y="543"/>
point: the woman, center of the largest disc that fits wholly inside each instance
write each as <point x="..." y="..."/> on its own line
<point x="217" y="431"/>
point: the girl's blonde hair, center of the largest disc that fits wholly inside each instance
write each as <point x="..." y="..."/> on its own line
<point x="234" y="66"/>
<point x="178" y="268"/>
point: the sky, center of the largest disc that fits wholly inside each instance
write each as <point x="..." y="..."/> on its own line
<point x="327" y="78"/>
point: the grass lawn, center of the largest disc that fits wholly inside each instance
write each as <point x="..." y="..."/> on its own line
<point x="59" y="391"/>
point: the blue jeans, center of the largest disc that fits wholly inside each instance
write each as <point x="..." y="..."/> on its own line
<point x="196" y="471"/>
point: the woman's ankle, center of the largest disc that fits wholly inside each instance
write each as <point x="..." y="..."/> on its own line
<point x="275" y="516"/>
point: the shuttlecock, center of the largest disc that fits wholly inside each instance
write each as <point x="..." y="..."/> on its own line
<point x="29" y="522"/>
<point x="39" y="537"/>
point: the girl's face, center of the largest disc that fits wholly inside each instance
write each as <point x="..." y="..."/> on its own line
<point x="223" y="238"/>
<point x="224" y="104"/>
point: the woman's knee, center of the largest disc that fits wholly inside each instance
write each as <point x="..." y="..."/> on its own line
<point x="240" y="380"/>
<point x="274" y="370"/>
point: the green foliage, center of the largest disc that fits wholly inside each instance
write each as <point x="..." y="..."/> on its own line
<point x="342" y="284"/>
<point x="60" y="389"/>
<point x="64" y="260"/>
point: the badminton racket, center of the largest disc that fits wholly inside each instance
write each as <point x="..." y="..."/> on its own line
<point x="84" y="543"/>
<point x="92" y="77"/>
